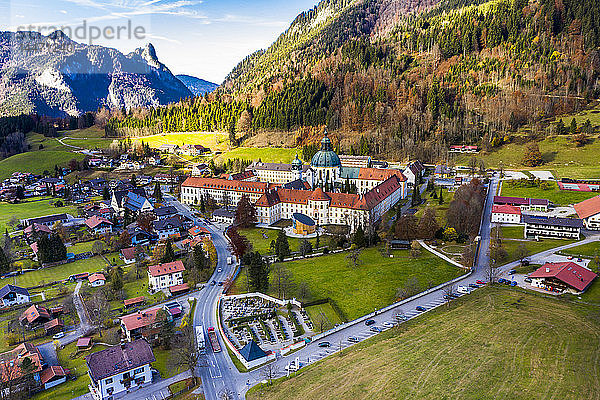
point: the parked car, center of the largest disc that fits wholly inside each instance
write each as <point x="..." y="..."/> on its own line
<point x="579" y="260"/>
<point x="462" y="289"/>
<point x="388" y="324"/>
<point x="353" y="339"/>
<point x="480" y="282"/>
<point x="507" y="282"/>
<point x="402" y="317"/>
<point x="512" y="272"/>
<point x="501" y="280"/>
<point x="525" y="263"/>
<point x="220" y="283"/>
<point x="528" y="280"/>
<point x="513" y="283"/>
<point x="570" y="258"/>
<point x="421" y="308"/>
<point x="376" y="329"/>
<point x="220" y="270"/>
<point x="369" y="322"/>
<point x="58" y="335"/>
<point x="324" y="344"/>
<point x="473" y="285"/>
<point x="448" y="297"/>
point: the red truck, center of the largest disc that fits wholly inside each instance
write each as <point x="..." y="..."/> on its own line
<point x="214" y="342"/>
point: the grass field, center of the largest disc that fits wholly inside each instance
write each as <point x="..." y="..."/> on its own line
<point x="323" y="317"/>
<point x="259" y="243"/>
<point x="214" y="141"/>
<point x="497" y="343"/>
<point x="588" y="250"/>
<point x="34" y="278"/>
<point x="559" y="154"/>
<point x="36" y="161"/>
<point x="440" y="209"/>
<point x="369" y="286"/>
<point x="555" y="195"/>
<point x="31" y="208"/>
<point x="266" y="154"/>
<point x="516" y="232"/>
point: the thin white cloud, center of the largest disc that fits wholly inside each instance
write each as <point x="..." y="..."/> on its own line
<point x="164" y="38"/>
<point x="243" y="19"/>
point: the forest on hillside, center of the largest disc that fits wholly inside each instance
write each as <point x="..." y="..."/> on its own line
<point x="409" y="83"/>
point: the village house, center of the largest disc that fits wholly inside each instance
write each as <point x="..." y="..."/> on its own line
<point x="11" y="295"/>
<point x="99" y="225"/>
<point x="562" y="277"/>
<point x="168" y="227"/>
<point x="589" y="211"/>
<point x="134" y="200"/>
<point x="506" y="214"/>
<point x="96" y="279"/>
<point x="34" y="315"/>
<point x="162" y="276"/>
<point x="551" y="227"/>
<point x="165" y="212"/>
<point x="119" y="369"/>
<point x="525" y="204"/>
<point x="127" y="255"/>
<point x="144" y="324"/>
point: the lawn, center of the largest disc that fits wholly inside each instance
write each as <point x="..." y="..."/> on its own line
<point x="31" y="208"/>
<point x="588" y="250"/>
<point x="60" y="272"/>
<point x="89" y="143"/>
<point x="266" y="154"/>
<point x="323" y="316"/>
<point x="534" y="247"/>
<point x="262" y="245"/>
<point x="554" y="194"/>
<point x="495" y="343"/>
<point x="369" y="286"/>
<point x="430" y="202"/>
<point x="162" y="363"/>
<point x="559" y="155"/>
<point x="214" y="141"/>
<point x="36" y="161"/>
<point x="81" y="247"/>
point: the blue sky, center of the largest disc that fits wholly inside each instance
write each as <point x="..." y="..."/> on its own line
<point x="204" y="38"/>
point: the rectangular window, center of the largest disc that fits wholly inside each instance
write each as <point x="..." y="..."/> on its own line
<point x="108" y="381"/>
<point x="138" y="371"/>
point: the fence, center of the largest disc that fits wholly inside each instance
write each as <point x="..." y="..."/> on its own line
<point x="282" y="303"/>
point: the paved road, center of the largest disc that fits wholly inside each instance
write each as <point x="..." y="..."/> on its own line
<point x="221" y="373"/>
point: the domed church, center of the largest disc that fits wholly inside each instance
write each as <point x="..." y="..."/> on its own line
<point x="326" y="165"/>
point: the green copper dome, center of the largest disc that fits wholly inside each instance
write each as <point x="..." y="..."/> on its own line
<point x="325" y="157"/>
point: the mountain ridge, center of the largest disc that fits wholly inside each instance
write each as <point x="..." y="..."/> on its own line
<point x="56" y="76"/>
<point x="196" y="85"/>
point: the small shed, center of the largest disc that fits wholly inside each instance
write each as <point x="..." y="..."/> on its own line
<point x="84" y="343"/>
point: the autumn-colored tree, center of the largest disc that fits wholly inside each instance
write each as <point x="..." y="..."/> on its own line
<point x="406" y="227"/>
<point x="532" y="156"/>
<point x="245" y="213"/>
<point x="144" y="221"/>
<point x="428" y="224"/>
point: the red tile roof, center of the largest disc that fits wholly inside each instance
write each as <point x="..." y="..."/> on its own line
<point x="588" y="208"/>
<point x="569" y="273"/>
<point x="96" y="277"/>
<point x="179" y="288"/>
<point x="10" y="358"/>
<point x="165" y="269"/>
<point x="505" y="209"/>
<point x="53" y="324"/>
<point x="51" y="372"/>
<point x="319" y="195"/>
<point x="128" y="253"/>
<point x="140" y="319"/>
<point x="379" y="174"/>
<point x="84" y="342"/>
<point x="197" y="230"/>
<point x="225" y="184"/>
<point x="95" y="220"/>
<point x="135" y="300"/>
<point x="34" y="312"/>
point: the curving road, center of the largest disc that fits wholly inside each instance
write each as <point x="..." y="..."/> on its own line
<point x="220" y="374"/>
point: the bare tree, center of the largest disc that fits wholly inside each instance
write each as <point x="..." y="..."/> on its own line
<point x="353" y="257"/>
<point x="185" y="352"/>
<point x="448" y="292"/>
<point x="226" y="394"/>
<point x="410" y="288"/>
<point x="269" y="372"/>
<point x="491" y="271"/>
<point x="282" y="280"/>
<point x="522" y="252"/>
<point x="303" y="292"/>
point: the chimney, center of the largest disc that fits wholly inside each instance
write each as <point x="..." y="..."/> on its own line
<point x="547" y="269"/>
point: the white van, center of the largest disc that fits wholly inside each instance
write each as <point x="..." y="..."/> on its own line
<point x="229" y="260"/>
<point x="462" y="289"/>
